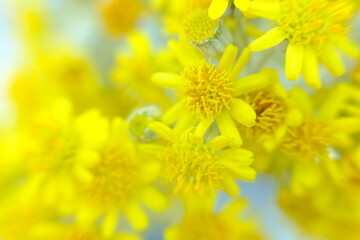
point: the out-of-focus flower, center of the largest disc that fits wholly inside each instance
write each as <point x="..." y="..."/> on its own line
<point x="120" y="16"/>
<point x="201" y="222"/>
<point x="120" y="181"/>
<point x="65" y="71"/>
<point x="58" y="149"/>
<point x="192" y="166"/>
<point x="314" y="29"/>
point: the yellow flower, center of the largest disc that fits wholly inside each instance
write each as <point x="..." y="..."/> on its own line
<point x="275" y="111"/>
<point x="210" y="92"/>
<point x="192" y="166"/>
<point x="321" y="129"/>
<point x="120" y="16"/>
<point x="58" y="149"/>
<point x="200" y="222"/>
<point x="64" y="71"/>
<point x="208" y="35"/>
<point x="120" y="181"/>
<point x="314" y="30"/>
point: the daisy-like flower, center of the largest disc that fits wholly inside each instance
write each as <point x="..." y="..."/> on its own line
<point x="210" y="92"/>
<point x="314" y="30"/>
<point x="58" y="148"/>
<point x="201" y="222"/>
<point x="275" y="112"/>
<point x="312" y="139"/>
<point x="121" y="180"/>
<point x="192" y="166"/>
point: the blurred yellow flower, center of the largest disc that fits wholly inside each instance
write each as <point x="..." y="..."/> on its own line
<point x="192" y="166"/>
<point x="201" y="222"/>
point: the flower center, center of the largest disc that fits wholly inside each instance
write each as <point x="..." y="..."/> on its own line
<point x="199" y="27"/>
<point x="206" y="226"/>
<point x="314" y="22"/>
<point x="115" y="177"/>
<point x="270" y="111"/>
<point x="207" y="91"/>
<point x="191" y="167"/>
<point x="309" y="140"/>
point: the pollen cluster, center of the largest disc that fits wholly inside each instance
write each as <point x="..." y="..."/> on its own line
<point x="309" y="140"/>
<point x="270" y="111"/>
<point x="207" y="91"/>
<point x="116" y="177"/>
<point x="192" y="167"/>
<point x="314" y="22"/>
<point x="199" y="27"/>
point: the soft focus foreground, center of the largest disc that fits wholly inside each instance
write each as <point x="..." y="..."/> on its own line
<point x="180" y="119"/>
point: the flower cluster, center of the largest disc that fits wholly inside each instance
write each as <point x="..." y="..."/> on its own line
<point x="168" y="107"/>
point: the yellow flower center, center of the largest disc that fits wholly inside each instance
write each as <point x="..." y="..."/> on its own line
<point x="207" y="91"/>
<point x="115" y="177"/>
<point x="207" y="226"/>
<point x="309" y="140"/>
<point x="270" y="111"/>
<point x="314" y="22"/>
<point x="191" y="167"/>
<point x="199" y="27"/>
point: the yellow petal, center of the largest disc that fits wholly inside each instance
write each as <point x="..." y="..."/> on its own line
<point x="153" y="198"/>
<point x="349" y="47"/>
<point x="240" y="63"/>
<point x="136" y="216"/>
<point x="219" y="142"/>
<point x="269" y="10"/>
<point x="163" y="131"/>
<point x="332" y="60"/>
<point x="243" y="173"/>
<point x="109" y="223"/>
<point x="228" y="58"/>
<point x="187" y="121"/>
<point x="228" y="128"/>
<point x="243" y="113"/>
<point x="234" y="208"/>
<point x="230" y="186"/>
<point x="173" y="114"/>
<point x="268" y="40"/>
<point x="294" y="61"/>
<point x="217" y="8"/>
<point x="203" y="126"/>
<point x="236" y="157"/>
<point x="242" y="5"/>
<point x="167" y="80"/>
<point x="311" y="69"/>
<point x="171" y="233"/>
<point x="254" y="82"/>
